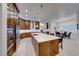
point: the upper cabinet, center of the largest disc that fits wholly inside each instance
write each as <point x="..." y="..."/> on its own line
<point x="12" y="14"/>
<point x="27" y="24"/>
<point x="24" y="24"/>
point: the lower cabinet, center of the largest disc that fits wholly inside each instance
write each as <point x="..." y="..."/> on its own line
<point x="25" y="35"/>
<point x="44" y="49"/>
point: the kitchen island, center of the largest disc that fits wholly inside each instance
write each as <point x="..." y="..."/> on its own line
<point x="45" y="45"/>
<point x="27" y="33"/>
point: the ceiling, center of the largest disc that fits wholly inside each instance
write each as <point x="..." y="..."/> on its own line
<point x="48" y="11"/>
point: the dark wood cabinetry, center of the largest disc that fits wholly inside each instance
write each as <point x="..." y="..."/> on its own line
<point x="54" y="49"/>
<point x="27" y="24"/>
<point x="24" y="24"/>
<point x="11" y="36"/>
<point x="45" y="45"/>
<point x="25" y="35"/>
<point x="12" y="16"/>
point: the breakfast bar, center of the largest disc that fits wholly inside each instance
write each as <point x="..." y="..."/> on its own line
<point x="45" y="45"/>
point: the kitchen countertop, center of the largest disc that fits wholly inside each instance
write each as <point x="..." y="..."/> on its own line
<point x="24" y="31"/>
<point x="41" y="37"/>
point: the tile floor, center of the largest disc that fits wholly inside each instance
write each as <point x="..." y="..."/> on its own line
<point x="25" y="48"/>
<point x="70" y="48"/>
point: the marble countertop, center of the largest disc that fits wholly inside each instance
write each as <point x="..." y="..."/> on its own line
<point x="41" y="37"/>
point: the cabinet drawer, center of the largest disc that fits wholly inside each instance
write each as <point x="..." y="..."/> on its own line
<point x="54" y="52"/>
<point x="54" y="47"/>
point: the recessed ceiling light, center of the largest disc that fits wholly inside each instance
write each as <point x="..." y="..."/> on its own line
<point x="26" y="10"/>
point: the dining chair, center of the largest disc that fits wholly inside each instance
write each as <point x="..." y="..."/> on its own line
<point x="58" y="34"/>
<point x="64" y="34"/>
<point x="52" y="34"/>
<point x="47" y="32"/>
<point x="69" y="35"/>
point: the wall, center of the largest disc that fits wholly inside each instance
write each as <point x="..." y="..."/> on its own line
<point x="52" y="26"/>
<point x="4" y="29"/>
<point x="69" y="26"/>
<point x="78" y="36"/>
<point x="0" y="28"/>
<point x="65" y="24"/>
<point x="43" y="24"/>
<point x="78" y="29"/>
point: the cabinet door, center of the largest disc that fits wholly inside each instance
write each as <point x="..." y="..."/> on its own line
<point x="27" y="24"/>
<point x="44" y="49"/>
<point x="22" y="25"/>
<point x="11" y="21"/>
<point x="54" y="49"/>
